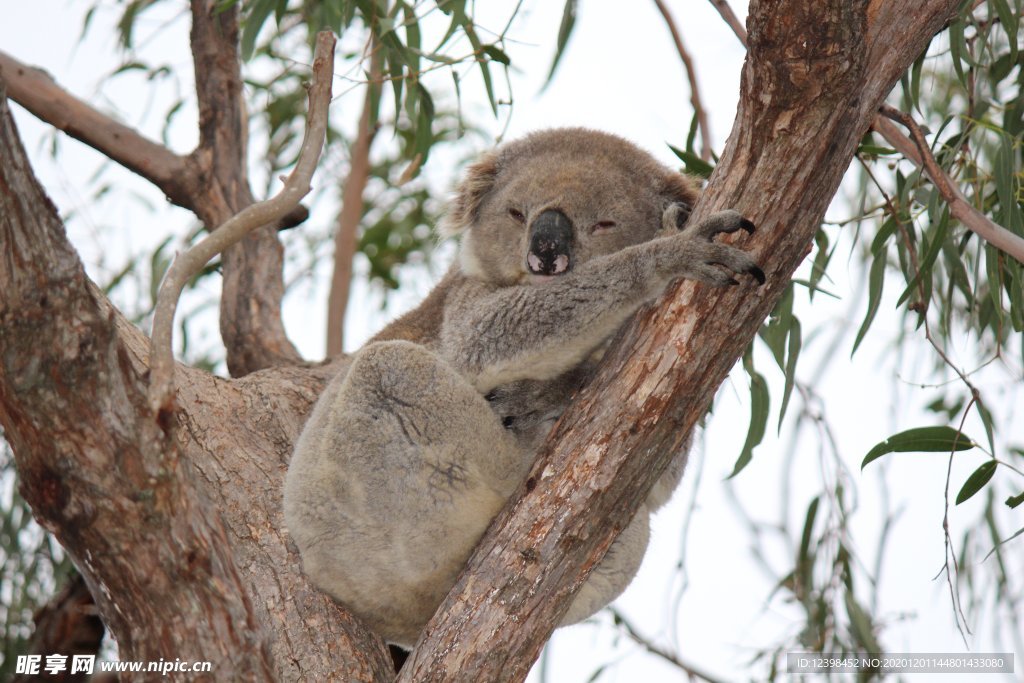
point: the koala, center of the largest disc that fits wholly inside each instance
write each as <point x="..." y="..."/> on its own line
<point x="423" y="436"/>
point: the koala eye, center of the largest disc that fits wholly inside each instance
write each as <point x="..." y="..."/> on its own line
<point x="602" y="226"/>
<point x="517" y="215"/>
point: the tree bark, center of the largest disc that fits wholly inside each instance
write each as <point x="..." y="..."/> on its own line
<point x="177" y="526"/>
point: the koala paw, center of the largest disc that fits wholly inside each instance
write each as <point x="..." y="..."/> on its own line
<point x="674" y="217"/>
<point x="700" y="254"/>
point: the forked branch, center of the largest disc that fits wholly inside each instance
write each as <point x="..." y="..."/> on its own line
<point x="187" y="265"/>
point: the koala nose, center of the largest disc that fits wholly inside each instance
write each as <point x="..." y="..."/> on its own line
<point x="551" y="239"/>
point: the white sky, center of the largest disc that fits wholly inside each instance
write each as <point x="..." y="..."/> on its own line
<point x="621" y="74"/>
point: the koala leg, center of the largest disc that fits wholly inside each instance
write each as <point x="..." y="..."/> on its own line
<point x="668" y="482"/>
<point x="616" y="570"/>
<point x="394" y="479"/>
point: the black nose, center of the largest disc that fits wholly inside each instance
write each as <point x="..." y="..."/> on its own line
<point x="551" y="241"/>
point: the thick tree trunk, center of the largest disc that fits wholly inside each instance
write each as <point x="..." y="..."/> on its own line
<point x="177" y="527"/>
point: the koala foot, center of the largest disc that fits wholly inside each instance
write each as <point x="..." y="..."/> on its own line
<point x="699" y="253"/>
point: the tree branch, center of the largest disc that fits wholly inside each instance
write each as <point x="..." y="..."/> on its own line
<point x="187" y="265"/>
<point x="730" y="18"/>
<point x="36" y="90"/>
<point x="692" y="672"/>
<point x="346" y="233"/>
<point x="175" y="175"/>
<point x="918" y="152"/>
<point x="691" y="75"/>
<point x="807" y="96"/>
<point x="250" y="310"/>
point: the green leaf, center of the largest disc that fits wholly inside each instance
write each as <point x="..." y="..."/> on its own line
<point x="957" y="48"/>
<point x="805" y="559"/>
<point x="988" y="423"/>
<point x="814" y="288"/>
<point x="259" y="11"/>
<point x="693" y="163"/>
<point x="1007" y="186"/>
<point x="921" y="439"/>
<point x="976" y="481"/>
<point x="915" y="80"/>
<point x="485" y="71"/>
<point x="691" y="135"/>
<point x="876" y="280"/>
<point x="1014" y="501"/>
<point x="792" y="353"/>
<point x="1010" y="24"/>
<point x="820" y="264"/>
<point x="564" y="31"/>
<point x="758" y="415"/>
<point x="860" y="624"/>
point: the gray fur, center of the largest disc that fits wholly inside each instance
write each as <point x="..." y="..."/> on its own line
<point x="417" y="444"/>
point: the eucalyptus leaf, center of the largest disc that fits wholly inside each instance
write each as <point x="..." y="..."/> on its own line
<point x="921" y="439"/>
<point x="976" y="481"/>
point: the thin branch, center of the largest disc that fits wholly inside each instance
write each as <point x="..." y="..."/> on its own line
<point x="919" y="153"/>
<point x="691" y="75"/>
<point x="296" y="186"/>
<point x="730" y="18"/>
<point x="36" y="90"/>
<point x="690" y="670"/>
<point x="349" y="217"/>
<point x="953" y="577"/>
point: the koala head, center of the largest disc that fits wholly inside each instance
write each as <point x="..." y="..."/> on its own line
<point x="536" y="207"/>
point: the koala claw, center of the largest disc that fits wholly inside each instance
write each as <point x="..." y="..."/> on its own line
<point x="758" y="274"/>
<point x="747" y="225"/>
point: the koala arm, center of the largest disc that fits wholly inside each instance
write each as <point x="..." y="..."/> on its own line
<point x="494" y="335"/>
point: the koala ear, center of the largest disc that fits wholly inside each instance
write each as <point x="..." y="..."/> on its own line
<point x="681" y="189"/>
<point x="463" y="208"/>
